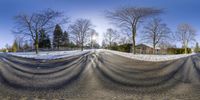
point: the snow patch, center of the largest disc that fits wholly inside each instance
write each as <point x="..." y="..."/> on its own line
<point x="145" y="57"/>
<point x="50" y="54"/>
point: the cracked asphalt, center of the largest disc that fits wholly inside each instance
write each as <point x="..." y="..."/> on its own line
<point x="99" y="76"/>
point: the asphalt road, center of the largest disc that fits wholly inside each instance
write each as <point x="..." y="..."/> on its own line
<point x="99" y="76"/>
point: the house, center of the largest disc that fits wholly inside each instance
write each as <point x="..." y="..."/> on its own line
<point x="146" y="49"/>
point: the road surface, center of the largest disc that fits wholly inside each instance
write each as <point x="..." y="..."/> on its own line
<point x="99" y="76"/>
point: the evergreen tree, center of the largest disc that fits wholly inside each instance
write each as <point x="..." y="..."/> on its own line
<point x="65" y="39"/>
<point x="72" y="45"/>
<point x="44" y="41"/>
<point x="14" y="46"/>
<point x="57" y="37"/>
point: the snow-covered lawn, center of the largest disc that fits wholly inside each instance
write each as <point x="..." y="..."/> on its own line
<point x="49" y="54"/>
<point x="145" y="57"/>
<point x="62" y="54"/>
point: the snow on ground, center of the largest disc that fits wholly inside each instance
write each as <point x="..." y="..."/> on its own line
<point x="61" y="54"/>
<point x="49" y="54"/>
<point x="146" y="57"/>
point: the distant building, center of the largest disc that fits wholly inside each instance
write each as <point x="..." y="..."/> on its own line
<point x="146" y="49"/>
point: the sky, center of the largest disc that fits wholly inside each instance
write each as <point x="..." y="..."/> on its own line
<point x="175" y="12"/>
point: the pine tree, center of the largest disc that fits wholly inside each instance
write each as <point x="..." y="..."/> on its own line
<point x="65" y="39"/>
<point x="57" y="37"/>
<point x="14" y="46"/>
<point x="72" y="45"/>
<point x="44" y="41"/>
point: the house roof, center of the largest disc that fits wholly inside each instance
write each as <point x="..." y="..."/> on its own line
<point x="148" y="45"/>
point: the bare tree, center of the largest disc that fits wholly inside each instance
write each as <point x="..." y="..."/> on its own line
<point x="185" y="33"/>
<point x="80" y="31"/>
<point x="30" y="25"/>
<point x="129" y="18"/>
<point x="111" y="36"/>
<point x="196" y="48"/>
<point x="124" y="39"/>
<point x="155" y="32"/>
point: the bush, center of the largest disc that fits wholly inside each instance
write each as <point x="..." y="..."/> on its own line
<point x="127" y="48"/>
<point x="178" y="50"/>
<point x="122" y="48"/>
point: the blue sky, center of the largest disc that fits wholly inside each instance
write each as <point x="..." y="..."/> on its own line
<point x="176" y="12"/>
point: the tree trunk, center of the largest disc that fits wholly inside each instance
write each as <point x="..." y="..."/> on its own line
<point x="185" y="50"/>
<point x="92" y="44"/>
<point x="185" y="47"/>
<point x="133" y="47"/>
<point x="154" y="42"/>
<point x="133" y="37"/>
<point x="81" y="46"/>
<point x="110" y="45"/>
<point x="36" y="44"/>
<point x="154" y="48"/>
<point x="36" y="48"/>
